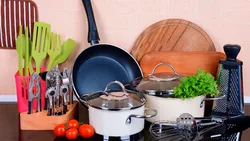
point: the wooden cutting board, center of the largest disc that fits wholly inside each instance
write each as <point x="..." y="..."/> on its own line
<point x="13" y="14"/>
<point x="172" y="35"/>
<point x="185" y="63"/>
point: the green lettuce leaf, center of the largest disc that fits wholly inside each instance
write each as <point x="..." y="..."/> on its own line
<point x="202" y="83"/>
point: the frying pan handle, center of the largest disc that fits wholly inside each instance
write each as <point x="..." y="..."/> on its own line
<point x="93" y="36"/>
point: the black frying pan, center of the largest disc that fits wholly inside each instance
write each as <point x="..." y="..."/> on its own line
<point x="100" y="64"/>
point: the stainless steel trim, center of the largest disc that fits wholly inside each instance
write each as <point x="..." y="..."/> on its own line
<point x="118" y="83"/>
<point x="210" y="99"/>
<point x="128" y="120"/>
<point x="176" y="75"/>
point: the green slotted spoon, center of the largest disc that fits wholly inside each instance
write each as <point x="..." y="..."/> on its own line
<point x="40" y="43"/>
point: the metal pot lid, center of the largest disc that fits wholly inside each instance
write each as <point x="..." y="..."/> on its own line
<point x="159" y="84"/>
<point x="116" y="99"/>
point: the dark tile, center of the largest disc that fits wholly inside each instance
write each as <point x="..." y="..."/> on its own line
<point x="8" y="122"/>
<point x="246" y="133"/>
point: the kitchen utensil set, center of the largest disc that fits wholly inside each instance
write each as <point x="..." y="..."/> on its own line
<point x="57" y="95"/>
<point x="43" y="42"/>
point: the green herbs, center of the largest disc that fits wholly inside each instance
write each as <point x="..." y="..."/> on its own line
<point x="202" y="83"/>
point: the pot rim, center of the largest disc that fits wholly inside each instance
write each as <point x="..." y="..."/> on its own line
<point x="142" y="99"/>
<point x="120" y="109"/>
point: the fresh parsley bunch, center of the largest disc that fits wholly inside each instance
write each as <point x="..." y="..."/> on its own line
<point x="202" y="83"/>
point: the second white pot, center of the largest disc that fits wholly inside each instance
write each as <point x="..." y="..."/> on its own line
<point x="171" y="108"/>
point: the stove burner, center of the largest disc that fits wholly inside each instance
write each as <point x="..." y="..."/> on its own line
<point x="135" y="137"/>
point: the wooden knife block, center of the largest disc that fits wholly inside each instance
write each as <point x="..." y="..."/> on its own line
<point x="40" y="120"/>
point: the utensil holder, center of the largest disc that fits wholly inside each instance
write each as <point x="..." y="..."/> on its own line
<point x="22" y="91"/>
<point x="40" y="120"/>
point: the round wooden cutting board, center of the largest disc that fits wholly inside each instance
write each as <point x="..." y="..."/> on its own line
<point x="172" y="35"/>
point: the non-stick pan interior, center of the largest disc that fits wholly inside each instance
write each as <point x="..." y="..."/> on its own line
<point x="100" y="64"/>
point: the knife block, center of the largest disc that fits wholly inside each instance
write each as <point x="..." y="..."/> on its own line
<point x="40" y="120"/>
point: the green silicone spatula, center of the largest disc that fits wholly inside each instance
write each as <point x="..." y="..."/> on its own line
<point x="40" y="43"/>
<point x="27" y="61"/>
<point x="20" y="51"/>
<point x="67" y="48"/>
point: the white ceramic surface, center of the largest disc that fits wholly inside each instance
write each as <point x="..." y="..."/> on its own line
<point x="113" y="123"/>
<point x="171" y="108"/>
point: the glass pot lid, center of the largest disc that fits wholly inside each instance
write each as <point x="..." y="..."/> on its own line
<point x="161" y="84"/>
<point x="116" y="99"/>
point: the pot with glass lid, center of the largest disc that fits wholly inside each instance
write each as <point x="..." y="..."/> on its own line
<point x="158" y="88"/>
<point x="117" y="112"/>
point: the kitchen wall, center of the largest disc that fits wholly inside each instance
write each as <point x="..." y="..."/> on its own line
<point x="121" y="21"/>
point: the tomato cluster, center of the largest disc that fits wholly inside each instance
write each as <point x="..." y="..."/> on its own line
<point x="73" y="129"/>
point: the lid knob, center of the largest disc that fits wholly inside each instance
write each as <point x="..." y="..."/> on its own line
<point x="231" y="51"/>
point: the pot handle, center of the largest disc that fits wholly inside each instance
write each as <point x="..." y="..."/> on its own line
<point x="118" y="83"/>
<point x="85" y="96"/>
<point x="128" y="120"/>
<point x="164" y="63"/>
<point x="210" y="99"/>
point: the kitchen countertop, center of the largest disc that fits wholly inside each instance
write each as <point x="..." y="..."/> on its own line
<point x="10" y="128"/>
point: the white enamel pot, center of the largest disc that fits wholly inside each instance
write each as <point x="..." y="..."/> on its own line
<point x="117" y="113"/>
<point x="171" y="108"/>
<point x="158" y="90"/>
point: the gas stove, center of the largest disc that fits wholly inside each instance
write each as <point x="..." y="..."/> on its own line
<point x="135" y="137"/>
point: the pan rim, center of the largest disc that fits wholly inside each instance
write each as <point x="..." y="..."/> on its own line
<point x="72" y="68"/>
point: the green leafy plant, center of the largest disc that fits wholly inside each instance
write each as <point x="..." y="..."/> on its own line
<point x="202" y="83"/>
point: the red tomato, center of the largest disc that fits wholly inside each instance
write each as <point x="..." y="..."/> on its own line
<point x="86" y="131"/>
<point x="73" y="124"/>
<point x="59" y="130"/>
<point x="72" y="134"/>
